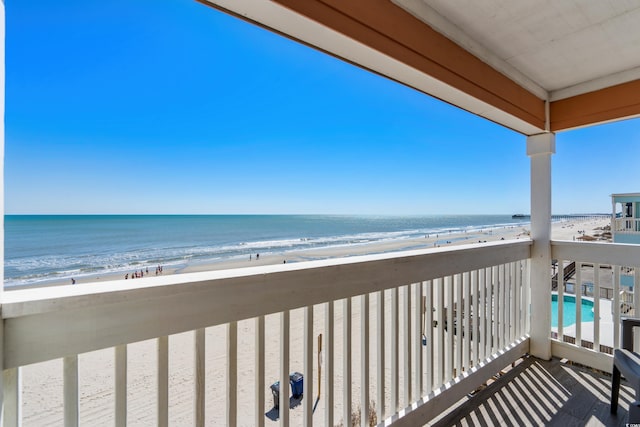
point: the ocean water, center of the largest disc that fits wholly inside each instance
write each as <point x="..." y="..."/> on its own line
<point x="41" y="248"/>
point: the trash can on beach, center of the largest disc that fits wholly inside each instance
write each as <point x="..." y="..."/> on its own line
<point x="275" y="390"/>
<point x="296" y="380"/>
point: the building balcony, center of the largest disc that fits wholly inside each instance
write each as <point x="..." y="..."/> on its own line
<point x="398" y="338"/>
<point x="626" y="226"/>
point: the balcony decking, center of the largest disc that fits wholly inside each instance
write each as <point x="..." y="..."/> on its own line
<point x="537" y="392"/>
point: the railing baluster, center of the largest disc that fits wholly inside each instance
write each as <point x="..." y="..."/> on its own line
<point x="560" y="299"/>
<point x="121" y="385"/>
<point x="163" y="381"/>
<point x="417" y="340"/>
<point x="466" y="285"/>
<point x="616" y="306"/>
<point x="259" y="371"/>
<point x="475" y="323"/>
<point x="500" y="313"/>
<point x="284" y="369"/>
<point x="346" y="361"/>
<point x="506" y="307"/>
<point x="495" y="299"/>
<point x="517" y="301"/>
<point x="200" y="346"/>
<point x="328" y="362"/>
<point x="308" y="366"/>
<point x="527" y="295"/>
<point x="510" y="302"/>
<point x="71" y="408"/>
<point x="482" y="315"/>
<point x="578" y="304"/>
<point x="459" y="327"/>
<point x="406" y="323"/>
<point x="380" y="392"/>
<point x="488" y="310"/>
<point x="232" y="373"/>
<point x="364" y="359"/>
<point x="429" y="335"/>
<point x="450" y="365"/>
<point x="596" y="307"/>
<point x="395" y="398"/>
<point x="441" y="374"/>
<point x="12" y="390"/>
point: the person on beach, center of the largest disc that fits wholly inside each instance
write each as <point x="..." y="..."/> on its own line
<point x="257" y="256"/>
<point x="126" y="276"/>
<point x="73" y="281"/>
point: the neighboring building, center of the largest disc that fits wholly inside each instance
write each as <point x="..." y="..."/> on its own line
<point x="625" y="228"/>
<point x="625" y="221"/>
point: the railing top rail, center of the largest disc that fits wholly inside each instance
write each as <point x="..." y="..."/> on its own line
<point x="597" y="252"/>
<point x="425" y="264"/>
<point x="42" y="324"/>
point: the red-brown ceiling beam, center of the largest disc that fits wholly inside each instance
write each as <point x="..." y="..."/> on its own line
<point x="611" y="103"/>
<point x="391" y="30"/>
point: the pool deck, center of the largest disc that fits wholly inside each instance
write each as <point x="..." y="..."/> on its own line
<point x="606" y="325"/>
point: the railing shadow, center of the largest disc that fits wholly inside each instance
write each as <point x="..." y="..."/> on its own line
<point x="537" y="392"/>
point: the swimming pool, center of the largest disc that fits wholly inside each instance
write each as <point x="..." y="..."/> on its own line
<point x="569" y="311"/>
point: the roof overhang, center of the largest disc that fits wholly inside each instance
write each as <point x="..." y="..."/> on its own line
<point x="411" y="42"/>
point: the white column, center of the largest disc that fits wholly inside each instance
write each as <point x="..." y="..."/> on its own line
<point x="539" y="149"/>
<point x="613" y="219"/>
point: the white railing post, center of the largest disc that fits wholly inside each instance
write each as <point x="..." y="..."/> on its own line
<point x="12" y="393"/>
<point x="364" y="359"/>
<point x="232" y="374"/>
<point x="380" y="342"/>
<point x="259" y="371"/>
<point x="308" y="367"/>
<point x="346" y="361"/>
<point x="540" y="148"/>
<point x="417" y="348"/>
<point x="395" y="397"/>
<point x="163" y="381"/>
<point x="71" y="407"/>
<point x="429" y="306"/>
<point x="284" y="368"/>
<point x="200" y="381"/>
<point x="406" y="343"/>
<point x="121" y="385"/>
<point x="328" y="362"/>
<point x="578" y="304"/>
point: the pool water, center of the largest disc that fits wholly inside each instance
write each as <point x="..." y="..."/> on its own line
<point x="569" y="311"/>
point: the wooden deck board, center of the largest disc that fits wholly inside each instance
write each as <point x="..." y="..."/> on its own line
<point x="537" y="392"/>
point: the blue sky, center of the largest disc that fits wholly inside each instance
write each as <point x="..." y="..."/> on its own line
<point x="173" y="107"/>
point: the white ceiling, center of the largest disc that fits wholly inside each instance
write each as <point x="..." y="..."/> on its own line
<point x="563" y="47"/>
<point x="554" y="48"/>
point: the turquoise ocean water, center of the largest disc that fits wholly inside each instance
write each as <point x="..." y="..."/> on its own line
<point x="41" y="248"/>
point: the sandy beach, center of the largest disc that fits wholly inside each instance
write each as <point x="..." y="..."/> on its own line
<point x="43" y="385"/>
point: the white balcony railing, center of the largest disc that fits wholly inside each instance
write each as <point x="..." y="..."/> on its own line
<point x="627" y="225"/>
<point x="589" y="337"/>
<point x="369" y="309"/>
